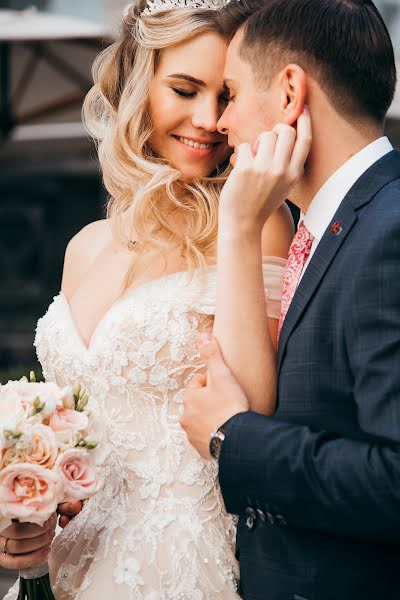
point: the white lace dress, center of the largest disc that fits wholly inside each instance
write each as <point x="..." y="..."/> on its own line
<point x="158" y="529"/>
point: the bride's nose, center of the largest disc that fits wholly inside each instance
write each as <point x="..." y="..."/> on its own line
<point x="205" y="115"/>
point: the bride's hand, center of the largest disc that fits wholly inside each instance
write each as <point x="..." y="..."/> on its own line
<point x="25" y="545"/>
<point x="67" y="511"/>
<point x="260" y="181"/>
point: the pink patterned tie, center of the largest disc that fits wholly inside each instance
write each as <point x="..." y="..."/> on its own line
<point x="298" y="255"/>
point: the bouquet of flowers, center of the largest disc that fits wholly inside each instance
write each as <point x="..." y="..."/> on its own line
<point x="48" y="455"/>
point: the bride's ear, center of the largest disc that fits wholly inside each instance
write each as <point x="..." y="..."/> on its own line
<point x="293" y="87"/>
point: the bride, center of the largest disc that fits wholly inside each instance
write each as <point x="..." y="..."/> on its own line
<point x="137" y="289"/>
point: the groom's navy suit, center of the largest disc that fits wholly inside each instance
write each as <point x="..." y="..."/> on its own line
<point x="317" y="487"/>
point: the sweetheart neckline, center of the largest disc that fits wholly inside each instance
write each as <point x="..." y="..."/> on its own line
<point x="87" y="347"/>
<point x="270" y="261"/>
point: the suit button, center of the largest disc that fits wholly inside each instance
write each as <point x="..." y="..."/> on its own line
<point x="251" y="518"/>
<point x="281" y="520"/>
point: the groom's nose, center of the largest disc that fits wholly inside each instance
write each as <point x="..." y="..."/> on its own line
<point x="222" y="124"/>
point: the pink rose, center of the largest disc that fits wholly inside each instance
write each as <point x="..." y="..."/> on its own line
<point x="29" y="493"/>
<point x="65" y="419"/>
<point x="78" y="474"/>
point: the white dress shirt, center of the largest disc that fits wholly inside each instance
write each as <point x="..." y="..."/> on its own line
<point x="330" y="196"/>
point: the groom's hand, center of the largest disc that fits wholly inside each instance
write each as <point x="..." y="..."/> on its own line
<point x="67" y="511"/>
<point x="25" y="545"/>
<point x="211" y="399"/>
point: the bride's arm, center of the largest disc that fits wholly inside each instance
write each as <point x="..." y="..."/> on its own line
<point x="247" y="337"/>
<point x="255" y="190"/>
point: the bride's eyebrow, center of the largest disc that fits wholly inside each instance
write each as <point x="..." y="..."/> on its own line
<point x="189" y="78"/>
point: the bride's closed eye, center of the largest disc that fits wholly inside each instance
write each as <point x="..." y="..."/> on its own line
<point x="224" y="98"/>
<point x="184" y="93"/>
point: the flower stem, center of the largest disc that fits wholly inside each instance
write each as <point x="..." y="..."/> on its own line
<point x="35" y="589"/>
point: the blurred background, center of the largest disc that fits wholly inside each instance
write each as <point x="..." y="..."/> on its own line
<point x="50" y="183"/>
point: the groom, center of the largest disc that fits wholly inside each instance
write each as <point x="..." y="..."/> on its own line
<point x="317" y="487"/>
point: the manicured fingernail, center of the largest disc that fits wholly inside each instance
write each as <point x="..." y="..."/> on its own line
<point x="46" y="551"/>
<point x="52" y="535"/>
<point x="205" y="339"/>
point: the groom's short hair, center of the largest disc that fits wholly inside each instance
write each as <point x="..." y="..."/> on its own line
<point x="343" y="44"/>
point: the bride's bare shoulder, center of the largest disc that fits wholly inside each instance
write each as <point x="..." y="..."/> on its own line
<point x="82" y="251"/>
<point x="90" y="239"/>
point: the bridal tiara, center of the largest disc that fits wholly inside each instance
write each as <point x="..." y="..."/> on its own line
<point x="157" y="6"/>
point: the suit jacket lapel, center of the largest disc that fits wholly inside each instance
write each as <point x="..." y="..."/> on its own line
<point x="380" y="174"/>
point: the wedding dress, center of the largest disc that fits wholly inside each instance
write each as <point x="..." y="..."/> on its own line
<point x="157" y="530"/>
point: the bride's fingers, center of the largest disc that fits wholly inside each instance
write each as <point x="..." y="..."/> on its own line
<point x="286" y="139"/>
<point x="24" y="561"/>
<point x="20" y="531"/>
<point x="244" y="156"/>
<point x="266" y="149"/>
<point x="17" y="547"/>
<point x="70" y="509"/>
<point x="63" y="522"/>
<point x="303" y="142"/>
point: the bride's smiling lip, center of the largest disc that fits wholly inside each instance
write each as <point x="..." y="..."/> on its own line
<point x="197" y="140"/>
<point x="197" y="146"/>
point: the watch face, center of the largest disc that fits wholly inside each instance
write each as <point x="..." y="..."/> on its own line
<point x="215" y="446"/>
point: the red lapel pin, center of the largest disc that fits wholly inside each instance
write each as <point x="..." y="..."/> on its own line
<point x="337" y="228"/>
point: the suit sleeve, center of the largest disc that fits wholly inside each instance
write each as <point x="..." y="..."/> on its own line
<point x="316" y="480"/>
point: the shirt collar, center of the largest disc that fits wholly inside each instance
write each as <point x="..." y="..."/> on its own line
<point x="330" y="196"/>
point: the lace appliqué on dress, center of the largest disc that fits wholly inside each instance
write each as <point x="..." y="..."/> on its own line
<point x="158" y="529"/>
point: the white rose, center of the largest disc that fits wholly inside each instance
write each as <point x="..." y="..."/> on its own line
<point x="68" y="398"/>
<point x="67" y="439"/>
<point x="11" y="413"/>
<point x="48" y="393"/>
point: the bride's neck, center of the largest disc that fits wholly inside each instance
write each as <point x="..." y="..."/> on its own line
<point x="172" y="213"/>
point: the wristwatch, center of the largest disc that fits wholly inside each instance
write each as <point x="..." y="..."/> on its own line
<point x="216" y="441"/>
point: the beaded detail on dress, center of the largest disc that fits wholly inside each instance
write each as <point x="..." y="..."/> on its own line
<point x="158" y="529"/>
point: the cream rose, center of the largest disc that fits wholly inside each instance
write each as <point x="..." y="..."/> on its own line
<point x="65" y="419"/>
<point x="42" y="449"/>
<point x="10" y="457"/>
<point x="29" y="493"/>
<point x="67" y="439"/>
<point x="78" y="474"/>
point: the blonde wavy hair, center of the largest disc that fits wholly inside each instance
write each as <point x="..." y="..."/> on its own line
<point x="116" y="115"/>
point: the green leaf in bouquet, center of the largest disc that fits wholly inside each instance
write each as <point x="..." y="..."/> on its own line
<point x="83" y="402"/>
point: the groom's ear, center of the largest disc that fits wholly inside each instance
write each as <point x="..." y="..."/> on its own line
<point x="293" y="90"/>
